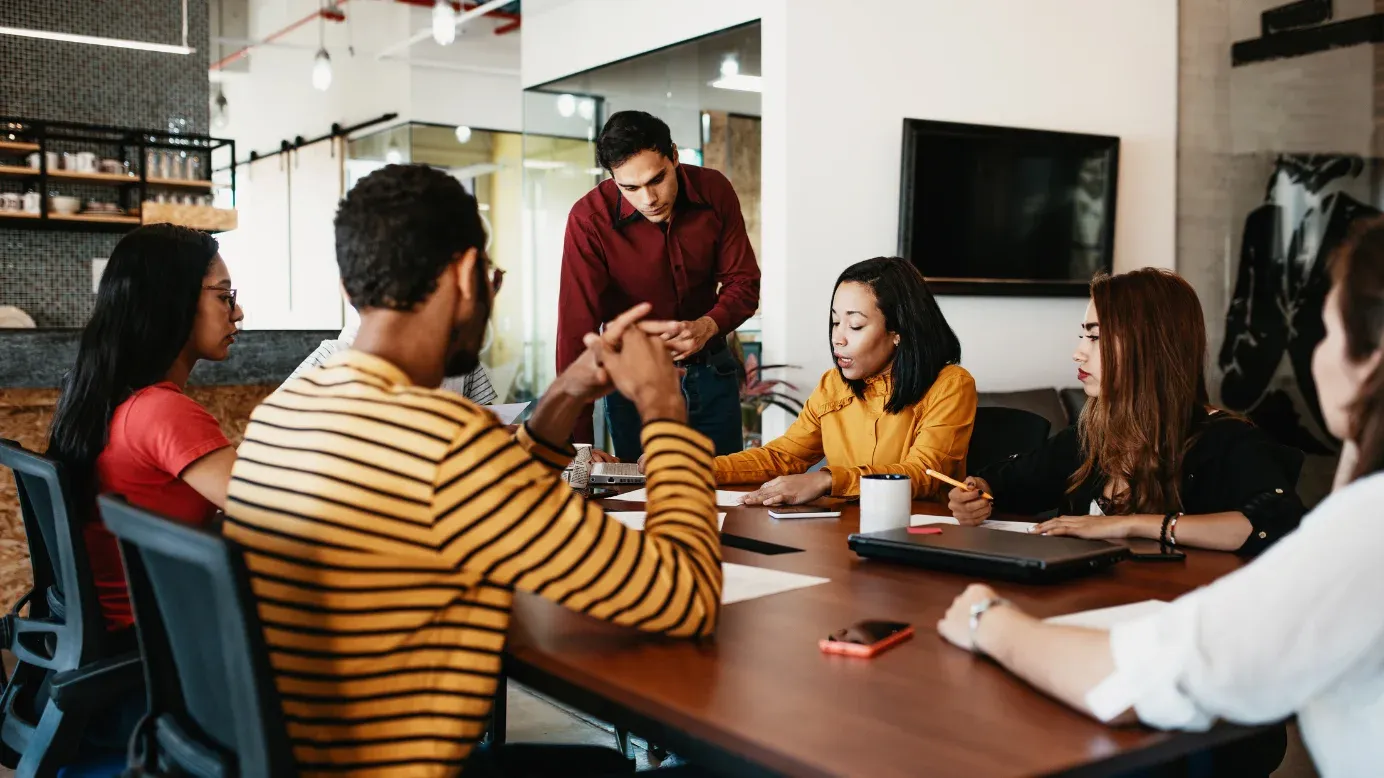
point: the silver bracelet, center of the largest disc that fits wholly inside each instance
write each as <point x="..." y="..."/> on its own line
<point x="979" y="610"/>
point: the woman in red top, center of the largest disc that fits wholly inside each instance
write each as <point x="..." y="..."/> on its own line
<point x="123" y="424"/>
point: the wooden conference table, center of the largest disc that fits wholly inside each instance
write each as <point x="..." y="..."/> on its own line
<point x="761" y="699"/>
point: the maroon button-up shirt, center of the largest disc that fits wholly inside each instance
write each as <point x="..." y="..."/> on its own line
<point x="613" y="259"/>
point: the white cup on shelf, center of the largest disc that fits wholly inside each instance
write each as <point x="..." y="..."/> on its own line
<point x="886" y="502"/>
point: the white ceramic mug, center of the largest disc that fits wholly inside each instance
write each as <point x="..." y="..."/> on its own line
<point x="33" y="201"/>
<point x="86" y="162"/>
<point x="886" y="501"/>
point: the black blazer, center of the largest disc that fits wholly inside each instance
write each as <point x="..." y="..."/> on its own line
<point x="1231" y="466"/>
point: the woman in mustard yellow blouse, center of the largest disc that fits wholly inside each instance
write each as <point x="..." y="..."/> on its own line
<point x="897" y="401"/>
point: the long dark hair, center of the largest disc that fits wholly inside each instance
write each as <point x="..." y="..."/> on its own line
<point x="926" y="342"/>
<point x="145" y="308"/>
<point x="1358" y="272"/>
<point x="1152" y="387"/>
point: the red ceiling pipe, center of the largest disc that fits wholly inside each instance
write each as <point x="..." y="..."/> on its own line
<point x="332" y="14"/>
<point x="465" y="7"/>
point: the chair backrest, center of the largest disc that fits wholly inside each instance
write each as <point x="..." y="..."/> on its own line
<point x="211" y="690"/>
<point x="64" y="628"/>
<point x="1002" y="432"/>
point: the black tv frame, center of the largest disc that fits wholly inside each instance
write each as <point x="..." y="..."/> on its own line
<point x="1006" y="287"/>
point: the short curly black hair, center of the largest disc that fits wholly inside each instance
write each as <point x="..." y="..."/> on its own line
<point x="627" y="133"/>
<point x="398" y="229"/>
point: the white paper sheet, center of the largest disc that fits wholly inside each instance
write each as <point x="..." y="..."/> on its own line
<point x="635" y="519"/>
<point x="1105" y="618"/>
<point x="743" y="582"/>
<point x="918" y="520"/>
<point x="723" y="499"/>
<point x="507" y="413"/>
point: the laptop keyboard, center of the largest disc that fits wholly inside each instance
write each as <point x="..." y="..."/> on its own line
<point x="620" y="469"/>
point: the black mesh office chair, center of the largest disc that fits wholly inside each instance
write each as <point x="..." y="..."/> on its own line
<point x="67" y="668"/>
<point x="1002" y="432"/>
<point x="213" y="709"/>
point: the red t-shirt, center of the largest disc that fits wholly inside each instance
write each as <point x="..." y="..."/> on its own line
<point x="154" y="436"/>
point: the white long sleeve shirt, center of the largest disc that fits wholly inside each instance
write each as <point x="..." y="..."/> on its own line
<point x="474" y="386"/>
<point x="1298" y="631"/>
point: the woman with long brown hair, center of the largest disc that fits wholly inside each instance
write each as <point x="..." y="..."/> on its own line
<point x="1149" y="457"/>
<point x="1298" y="631"/>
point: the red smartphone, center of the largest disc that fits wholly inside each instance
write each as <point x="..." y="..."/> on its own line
<point x="865" y="639"/>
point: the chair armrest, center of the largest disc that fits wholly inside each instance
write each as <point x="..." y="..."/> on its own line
<point x="99" y="683"/>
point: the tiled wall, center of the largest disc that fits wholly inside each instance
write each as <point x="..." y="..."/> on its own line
<point x="46" y="273"/>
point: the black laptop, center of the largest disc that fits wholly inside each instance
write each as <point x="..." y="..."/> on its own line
<point x="989" y="553"/>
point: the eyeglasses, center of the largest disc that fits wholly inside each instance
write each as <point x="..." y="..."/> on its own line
<point x="227" y="295"/>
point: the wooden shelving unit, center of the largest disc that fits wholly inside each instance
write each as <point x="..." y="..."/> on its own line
<point x="92" y="178"/>
<point x="181" y="183"/>
<point x="95" y="218"/>
<point x="131" y="189"/>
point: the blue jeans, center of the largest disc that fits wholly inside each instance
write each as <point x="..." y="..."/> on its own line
<point x="712" y="392"/>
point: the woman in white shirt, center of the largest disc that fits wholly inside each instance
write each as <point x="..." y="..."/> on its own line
<point x="1298" y="631"/>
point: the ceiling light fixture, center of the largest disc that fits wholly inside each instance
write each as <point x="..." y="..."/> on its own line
<point x="444" y="23"/>
<point x="730" y="66"/>
<point x="97" y="40"/>
<point x="322" y="71"/>
<point x="739" y="83"/>
<point x="463" y="134"/>
<point x="322" y="63"/>
<point x="220" y="110"/>
<point x="566" y="105"/>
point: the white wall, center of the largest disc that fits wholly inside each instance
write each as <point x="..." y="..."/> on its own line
<point x="838" y="85"/>
<point x="562" y="37"/>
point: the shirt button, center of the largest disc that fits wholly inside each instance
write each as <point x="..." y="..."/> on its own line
<point x="1263" y="535"/>
<point x="1278" y="491"/>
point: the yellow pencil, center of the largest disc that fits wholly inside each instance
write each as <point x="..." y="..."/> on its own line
<point x="958" y="484"/>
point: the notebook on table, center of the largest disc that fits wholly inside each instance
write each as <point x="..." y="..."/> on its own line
<point x="988" y="554"/>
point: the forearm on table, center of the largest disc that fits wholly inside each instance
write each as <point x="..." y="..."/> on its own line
<point x="556" y="415"/>
<point x="1225" y="531"/>
<point x="757" y="465"/>
<point x="1063" y="662"/>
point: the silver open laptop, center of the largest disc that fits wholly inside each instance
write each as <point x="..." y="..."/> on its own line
<point x="616" y="474"/>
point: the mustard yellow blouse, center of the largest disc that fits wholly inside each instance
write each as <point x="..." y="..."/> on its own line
<point x="859" y="438"/>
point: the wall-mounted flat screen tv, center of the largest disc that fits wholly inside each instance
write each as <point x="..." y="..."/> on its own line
<point x="999" y="210"/>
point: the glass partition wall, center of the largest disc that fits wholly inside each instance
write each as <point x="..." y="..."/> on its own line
<point x="492" y="165"/>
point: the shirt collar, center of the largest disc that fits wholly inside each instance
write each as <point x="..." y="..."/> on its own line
<point x="371" y="365"/>
<point x="882" y="383"/>
<point x="688" y="196"/>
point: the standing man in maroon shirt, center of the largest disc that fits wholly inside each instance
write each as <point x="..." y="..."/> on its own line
<point x="671" y="235"/>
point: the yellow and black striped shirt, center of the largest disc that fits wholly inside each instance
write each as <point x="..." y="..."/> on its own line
<point x="386" y="528"/>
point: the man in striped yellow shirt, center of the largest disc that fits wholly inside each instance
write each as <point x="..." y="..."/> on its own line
<point x="387" y="523"/>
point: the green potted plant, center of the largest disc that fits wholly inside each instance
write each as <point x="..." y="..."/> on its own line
<point x="758" y="393"/>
